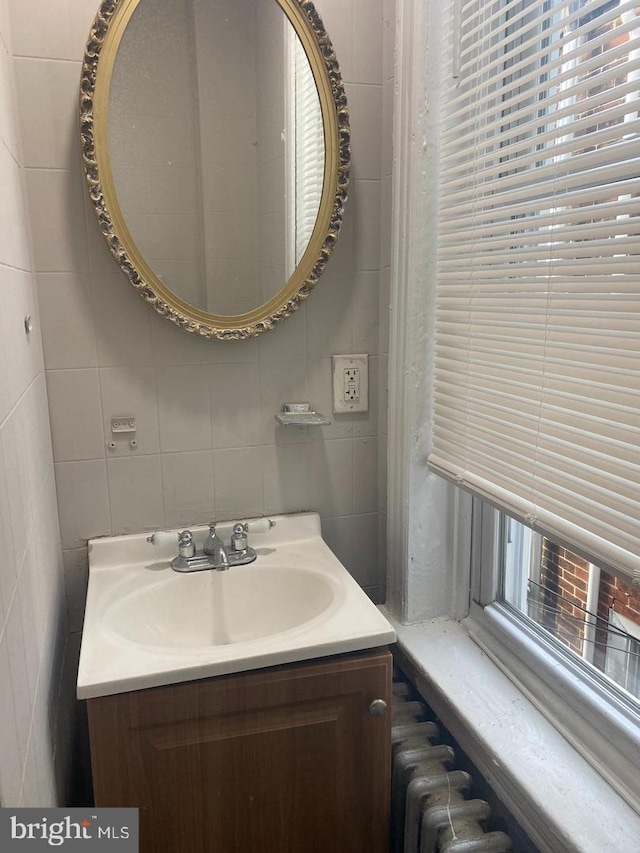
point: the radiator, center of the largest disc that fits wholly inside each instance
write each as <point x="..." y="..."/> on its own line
<point x="430" y="811"/>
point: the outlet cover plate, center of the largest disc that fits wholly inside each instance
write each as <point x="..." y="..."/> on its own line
<point x="350" y="381"/>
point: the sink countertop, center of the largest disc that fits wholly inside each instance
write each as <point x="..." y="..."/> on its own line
<point x="297" y="594"/>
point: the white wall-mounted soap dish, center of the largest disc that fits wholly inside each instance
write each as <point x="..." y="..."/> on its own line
<point x="300" y="414"/>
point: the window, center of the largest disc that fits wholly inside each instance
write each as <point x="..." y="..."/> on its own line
<point x="304" y="134"/>
<point x="567" y="631"/>
<point x="536" y="395"/>
<point x="538" y="271"/>
<point x="592" y="613"/>
<point x="622" y="661"/>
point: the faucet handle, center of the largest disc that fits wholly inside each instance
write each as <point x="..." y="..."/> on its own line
<point x="239" y="541"/>
<point x="241" y="530"/>
<point x="186" y="545"/>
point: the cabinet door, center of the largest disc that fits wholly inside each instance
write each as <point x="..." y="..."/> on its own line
<point x="282" y="760"/>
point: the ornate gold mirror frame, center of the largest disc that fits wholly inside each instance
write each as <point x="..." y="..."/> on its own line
<point x="99" y="59"/>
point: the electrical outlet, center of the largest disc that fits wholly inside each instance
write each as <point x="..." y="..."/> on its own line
<point x="350" y="383"/>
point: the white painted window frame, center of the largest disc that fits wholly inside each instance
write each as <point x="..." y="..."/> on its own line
<point x="480" y="675"/>
<point x="515" y="576"/>
<point x="628" y="648"/>
<point x="601" y="722"/>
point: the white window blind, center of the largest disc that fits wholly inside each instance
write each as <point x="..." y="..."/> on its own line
<point x="309" y="151"/>
<point x="537" y="378"/>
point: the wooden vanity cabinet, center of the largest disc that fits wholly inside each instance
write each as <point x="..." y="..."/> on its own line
<point x="281" y="760"/>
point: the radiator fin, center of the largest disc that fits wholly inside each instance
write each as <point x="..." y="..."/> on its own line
<point x="430" y="809"/>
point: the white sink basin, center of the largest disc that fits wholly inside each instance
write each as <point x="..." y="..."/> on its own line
<point x="203" y="609"/>
<point x="146" y="625"/>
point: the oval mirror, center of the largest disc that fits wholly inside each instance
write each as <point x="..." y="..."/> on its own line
<point x="215" y="140"/>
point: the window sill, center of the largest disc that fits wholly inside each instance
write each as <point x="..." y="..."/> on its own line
<point x="557" y="797"/>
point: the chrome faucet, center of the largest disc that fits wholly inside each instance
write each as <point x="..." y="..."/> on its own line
<point x="214" y="555"/>
<point x="214" y="547"/>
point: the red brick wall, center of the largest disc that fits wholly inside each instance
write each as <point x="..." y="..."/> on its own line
<point x="564" y="578"/>
<point x="621" y="596"/>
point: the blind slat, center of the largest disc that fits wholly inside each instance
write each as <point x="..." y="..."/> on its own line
<point x="562" y="106"/>
<point x="537" y="376"/>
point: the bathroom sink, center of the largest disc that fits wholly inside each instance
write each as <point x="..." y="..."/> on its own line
<point x="146" y="625"/>
<point x="209" y="608"/>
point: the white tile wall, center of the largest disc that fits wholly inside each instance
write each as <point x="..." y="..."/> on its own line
<point x="135" y="491"/>
<point x="33" y="742"/>
<point x="49" y="139"/>
<point x="235" y="388"/>
<point x="238" y="482"/>
<point x="56" y="214"/>
<point x="124" y="391"/>
<point x="65" y="300"/>
<point x="286" y="472"/>
<point x="83" y="501"/>
<point x="187" y="487"/>
<point x="5" y="35"/>
<point x="204" y="409"/>
<point x="76" y="414"/>
<point x="365" y="110"/>
<point x="12" y="221"/>
<point x="61" y="27"/>
<point x="76" y="577"/>
<point x="184" y="408"/>
<point x="367" y="47"/>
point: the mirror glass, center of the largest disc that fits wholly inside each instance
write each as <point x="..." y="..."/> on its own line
<point x="216" y="143"/>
